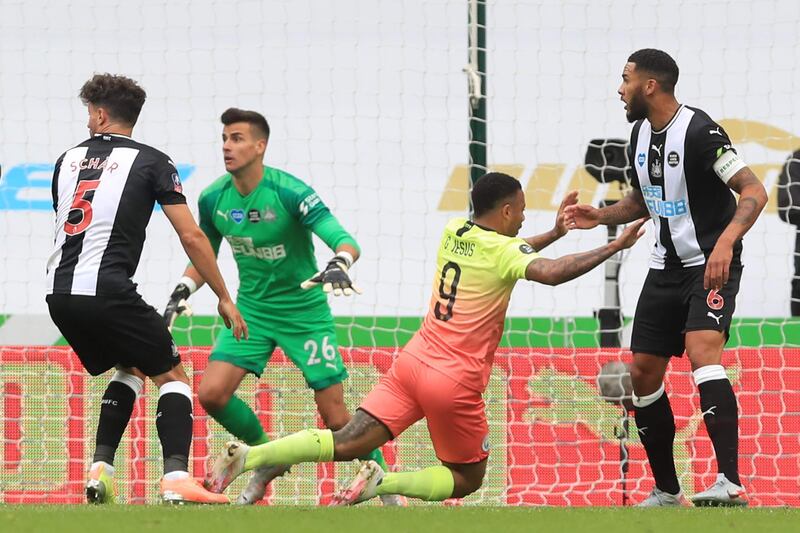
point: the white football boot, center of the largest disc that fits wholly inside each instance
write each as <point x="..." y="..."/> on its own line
<point x="722" y="493"/>
<point x="659" y="498"/>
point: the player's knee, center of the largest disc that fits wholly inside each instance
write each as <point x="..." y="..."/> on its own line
<point x="643" y="377"/>
<point x="467" y="484"/>
<point x="212" y="398"/>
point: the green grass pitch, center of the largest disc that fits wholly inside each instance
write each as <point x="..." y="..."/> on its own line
<point x="121" y="519"/>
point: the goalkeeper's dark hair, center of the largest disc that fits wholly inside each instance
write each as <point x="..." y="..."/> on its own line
<point x="491" y="190"/>
<point x="659" y="65"/>
<point x="258" y="124"/>
<point x="121" y="97"/>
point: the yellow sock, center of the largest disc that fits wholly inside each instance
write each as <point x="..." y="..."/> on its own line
<point x="309" y="446"/>
<point x="432" y="484"/>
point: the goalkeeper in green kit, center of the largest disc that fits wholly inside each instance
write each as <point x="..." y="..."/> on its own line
<point x="268" y="216"/>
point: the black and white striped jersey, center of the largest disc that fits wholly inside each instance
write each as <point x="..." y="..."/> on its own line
<point x="104" y="191"/>
<point x="689" y="203"/>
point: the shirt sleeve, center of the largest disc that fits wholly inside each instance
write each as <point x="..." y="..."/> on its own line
<point x="710" y="141"/>
<point x="515" y="256"/>
<point x="167" y="182"/>
<point x="54" y="183"/>
<point x="206" y="207"/>
<point x="332" y="233"/>
<point x="304" y="204"/>
<point x="633" y="177"/>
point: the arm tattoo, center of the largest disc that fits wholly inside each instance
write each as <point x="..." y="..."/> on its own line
<point x="746" y="211"/>
<point x="628" y="209"/>
<point x="361" y="424"/>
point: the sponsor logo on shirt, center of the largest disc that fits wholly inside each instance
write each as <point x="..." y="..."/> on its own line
<point x="244" y="246"/>
<point x="308" y="203"/>
<point x="237" y="215"/>
<point x="526" y="248"/>
<point x="663" y="208"/>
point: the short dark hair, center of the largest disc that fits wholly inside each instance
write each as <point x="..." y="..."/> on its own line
<point x="120" y="96"/>
<point x="491" y="189"/>
<point x="659" y="64"/>
<point x="257" y="122"/>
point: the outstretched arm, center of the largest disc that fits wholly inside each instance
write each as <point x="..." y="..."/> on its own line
<point x="628" y="209"/>
<point x="539" y="242"/>
<point x="557" y="271"/>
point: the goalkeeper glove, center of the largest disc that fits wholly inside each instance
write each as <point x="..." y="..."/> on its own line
<point x="177" y="304"/>
<point x="335" y="277"/>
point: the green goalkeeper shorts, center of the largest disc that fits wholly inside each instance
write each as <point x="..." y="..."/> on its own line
<point x="309" y="341"/>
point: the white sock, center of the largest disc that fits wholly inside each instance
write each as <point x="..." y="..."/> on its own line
<point x="175" y="475"/>
<point x="109" y="468"/>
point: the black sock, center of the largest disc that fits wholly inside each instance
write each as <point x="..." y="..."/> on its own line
<point x="656" y="427"/>
<point x="721" y="416"/>
<point x="174" y="424"/>
<point x="115" y="413"/>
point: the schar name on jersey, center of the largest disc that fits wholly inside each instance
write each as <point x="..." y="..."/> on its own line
<point x="663" y="208"/>
<point x="244" y="246"/>
<point x="93" y="163"/>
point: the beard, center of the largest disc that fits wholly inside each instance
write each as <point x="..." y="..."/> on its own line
<point x="637" y="109"/>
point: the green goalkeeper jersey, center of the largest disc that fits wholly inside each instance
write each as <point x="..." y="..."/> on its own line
<point x="269" y="232"/>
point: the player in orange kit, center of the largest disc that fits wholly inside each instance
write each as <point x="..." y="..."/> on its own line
<point x="443" y="370"/>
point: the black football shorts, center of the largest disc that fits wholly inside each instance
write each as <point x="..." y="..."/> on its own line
<point x="673" y="302"/>
<point x="106" y="332"/>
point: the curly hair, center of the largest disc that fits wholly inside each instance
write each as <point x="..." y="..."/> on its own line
<point x="491" y="189"/>
<point x="658" y="63"/>
<point x="120" y="96"/>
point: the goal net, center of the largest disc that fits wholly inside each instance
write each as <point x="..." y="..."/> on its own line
<point x="367" y="102"/>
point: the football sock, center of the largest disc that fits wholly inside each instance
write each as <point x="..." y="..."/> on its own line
<point x="720" y="414"/>
<point x="377" y="456"/>
<point x="656" y="426"/>
<point x="310" y="445"/>
<point x="115" y="413"/>
<point x="174" y="425"/>
<point x="241" y="422"/>
<point x="432" y="484"/>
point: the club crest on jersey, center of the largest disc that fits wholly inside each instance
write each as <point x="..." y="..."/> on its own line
<point x="641" y="159"/>
<point x="237" y="215"/>
<point x="673" y="159"/>
<point x="655" y="169"/>
<point x="268" y="215"/>
<point x="176" y="183"/>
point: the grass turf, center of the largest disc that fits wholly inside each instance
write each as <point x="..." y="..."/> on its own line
<point x="121" y="519"/>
